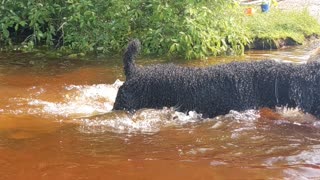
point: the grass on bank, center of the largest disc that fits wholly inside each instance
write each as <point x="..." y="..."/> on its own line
<point x="277" y="25"/>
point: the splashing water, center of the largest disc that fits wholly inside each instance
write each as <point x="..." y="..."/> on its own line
<point x="78" y="101"/>
<point x="91" y="107"/>
<point x="142" y="121"/>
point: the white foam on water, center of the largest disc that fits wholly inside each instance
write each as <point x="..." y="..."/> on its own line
<point x="310" y="156"/>
<point x="239" y="122"/>
<point x="247" y="115"/>
<point x="295" y="116"/>
<point x="142" y="121"/>
<point x="316" y="124"/>
<point x="290" y="112"/>
<point x="78" y="101"/>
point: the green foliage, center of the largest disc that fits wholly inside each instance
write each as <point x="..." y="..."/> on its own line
<point x="29" y="22"/>
<point x="186" y="28"/>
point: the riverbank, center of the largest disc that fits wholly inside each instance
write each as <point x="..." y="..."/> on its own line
<point x="281" y="28"/>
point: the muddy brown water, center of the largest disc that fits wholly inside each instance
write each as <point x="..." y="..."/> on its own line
<point x="56" y="123"/>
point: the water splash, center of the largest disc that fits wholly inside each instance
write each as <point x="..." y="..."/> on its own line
<point x="242" y="122"/>
<point x="91" y="107"/>
<point x="78" y="101"/>
<point x="248" y="115"/>
<point x="295" y="115"/>
<point x="142" y="121"/>
<point x="311" y="156"/>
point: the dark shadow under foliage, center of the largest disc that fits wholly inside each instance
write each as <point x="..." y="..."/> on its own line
<point x="216" y="90"/>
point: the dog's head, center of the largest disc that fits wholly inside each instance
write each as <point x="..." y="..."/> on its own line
<point x="129" y="97"/>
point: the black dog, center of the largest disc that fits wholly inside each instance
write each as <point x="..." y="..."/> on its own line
<point x="216" y="90"/>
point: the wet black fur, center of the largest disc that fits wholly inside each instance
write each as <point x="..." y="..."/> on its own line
<point x="218" y="89"/>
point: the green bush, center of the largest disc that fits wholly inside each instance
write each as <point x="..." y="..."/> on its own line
<point x="188" y="28"/>
<point x="27" y="22"/>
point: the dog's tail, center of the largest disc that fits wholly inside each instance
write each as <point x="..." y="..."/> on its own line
<point x="129" y="56"/>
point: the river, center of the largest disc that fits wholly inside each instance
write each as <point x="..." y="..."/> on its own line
<point x="56" y="122"/>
